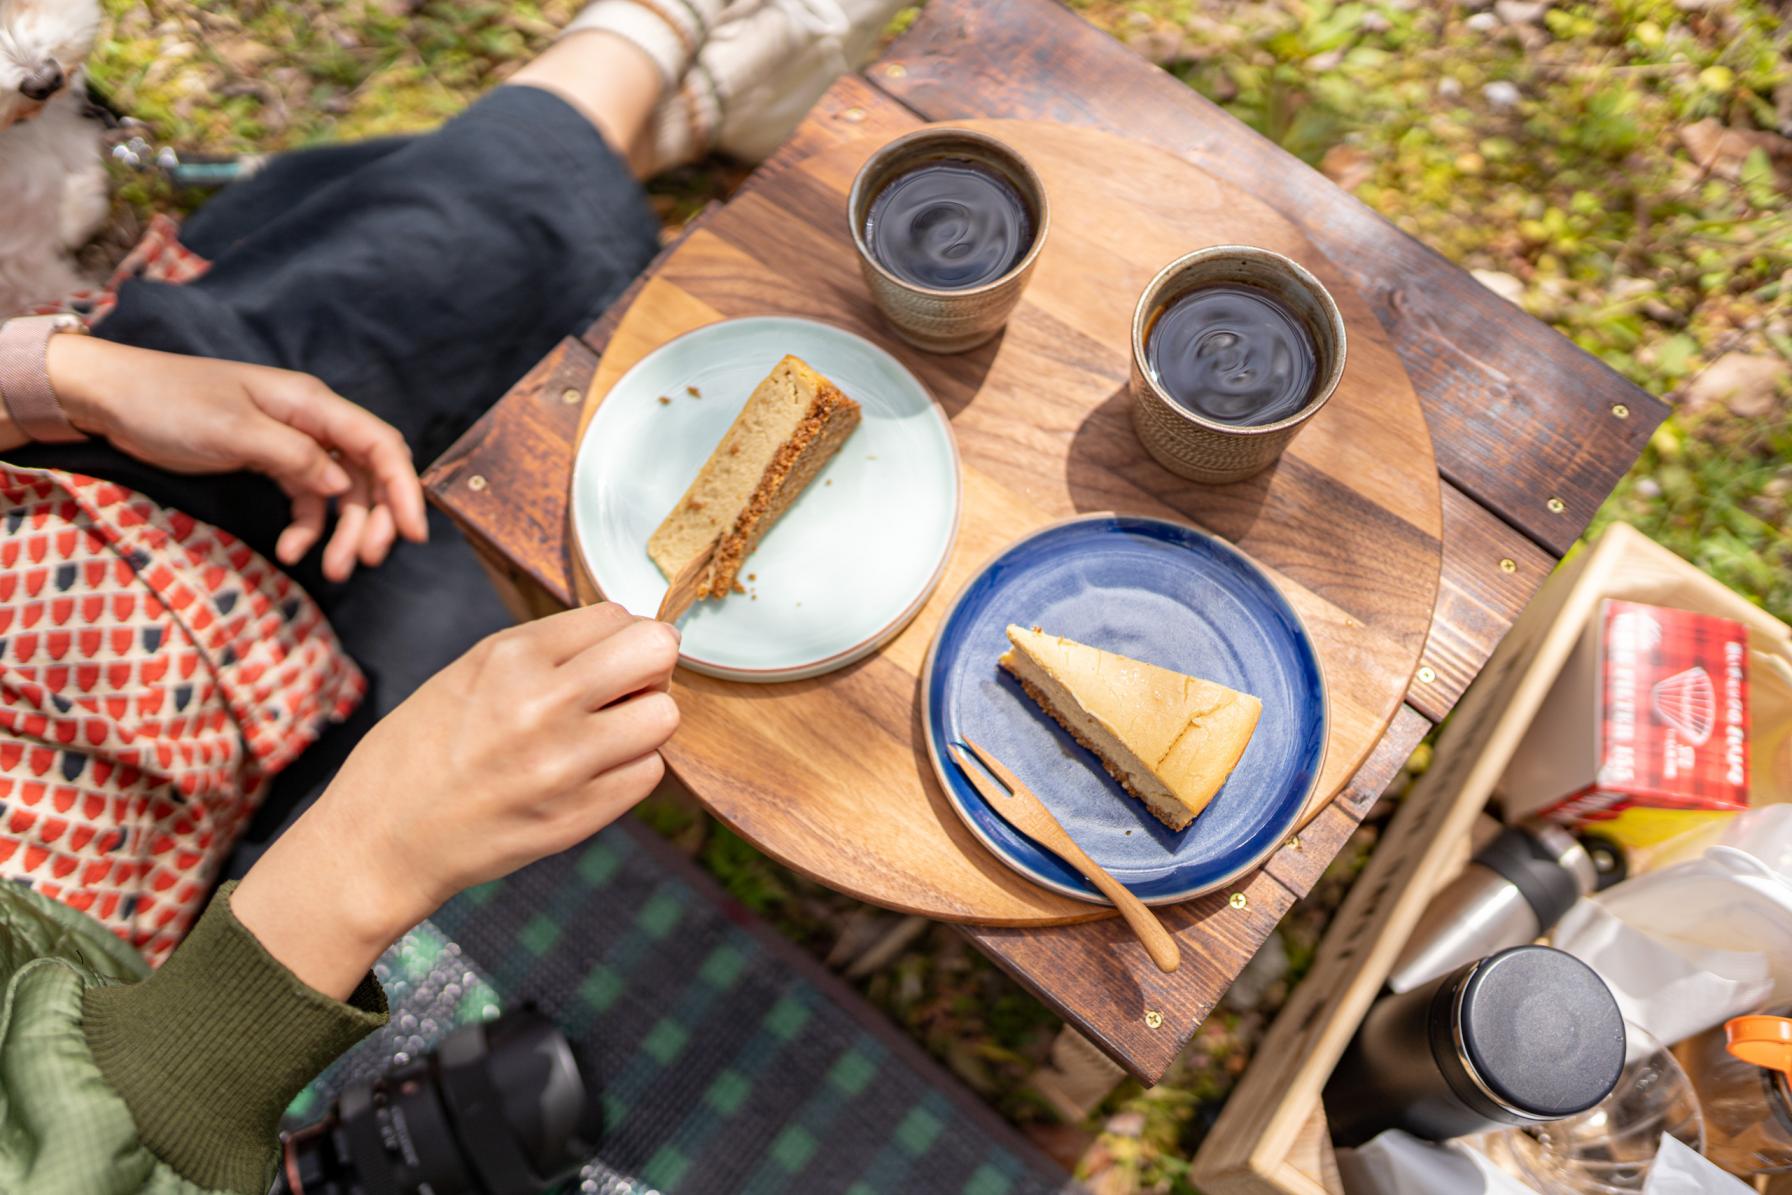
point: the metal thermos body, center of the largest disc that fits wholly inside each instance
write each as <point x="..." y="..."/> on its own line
<point x="1526" y="1036"/>
<point x="1512" y="891"/>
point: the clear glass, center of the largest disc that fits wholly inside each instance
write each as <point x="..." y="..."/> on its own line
<point x="1608" y="1149"/>
<point x="1748" y="1110"/>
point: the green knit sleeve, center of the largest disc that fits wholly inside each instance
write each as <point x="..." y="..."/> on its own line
<point x="207" y="1052"/>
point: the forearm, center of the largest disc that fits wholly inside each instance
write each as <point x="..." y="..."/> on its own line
<point x="321" y="909"/>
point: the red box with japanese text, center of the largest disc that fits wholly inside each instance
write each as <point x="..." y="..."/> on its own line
<point x="1647" y="724"/>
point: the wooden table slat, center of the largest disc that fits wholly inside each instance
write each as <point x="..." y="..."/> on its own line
<point x="1478" y="597"/>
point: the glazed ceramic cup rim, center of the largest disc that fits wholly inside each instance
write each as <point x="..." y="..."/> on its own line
<point x="1149" y="300"/>
<point x="860" y="198"/>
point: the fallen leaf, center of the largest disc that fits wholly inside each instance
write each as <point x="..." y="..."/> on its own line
<point x="1162" y="46"/>
<point x="1722" y="151"/>
<point x="1347" y="165"/>
<point x="1749" y="384"/>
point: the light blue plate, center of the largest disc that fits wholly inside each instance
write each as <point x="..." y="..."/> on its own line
<point x="1159" y="592"/>
<point x="850" y="562"/>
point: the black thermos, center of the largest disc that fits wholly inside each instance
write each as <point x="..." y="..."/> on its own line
<point x="1525" y="1036"/>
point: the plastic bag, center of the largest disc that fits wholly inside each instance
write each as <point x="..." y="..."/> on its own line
<point x="1688" y="947"/>
<point x="1397" y="1164"/>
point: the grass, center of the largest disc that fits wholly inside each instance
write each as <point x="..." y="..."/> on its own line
<point x="1552" y="151"/>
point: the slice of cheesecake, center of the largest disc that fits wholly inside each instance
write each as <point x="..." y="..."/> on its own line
<point x="1169" y="739"/>
<point x="793" y="422"/>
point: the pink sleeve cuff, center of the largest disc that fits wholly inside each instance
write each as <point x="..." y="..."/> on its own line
<point x="25" y="378"/>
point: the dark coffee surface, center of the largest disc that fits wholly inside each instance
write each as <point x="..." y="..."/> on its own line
<point x="1232" y="354"/>
<point x="950" y="225"/>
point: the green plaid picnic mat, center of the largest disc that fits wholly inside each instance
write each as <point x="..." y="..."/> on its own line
<point x="731" y="1064"/>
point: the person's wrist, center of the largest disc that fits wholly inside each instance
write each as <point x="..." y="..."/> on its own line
<point x="318" y="903"/>
<point x="78" y="369"/>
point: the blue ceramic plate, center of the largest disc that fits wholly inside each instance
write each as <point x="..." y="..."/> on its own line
<point x="1159" y="592"/>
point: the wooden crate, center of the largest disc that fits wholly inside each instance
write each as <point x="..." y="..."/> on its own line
<point x="1271" y="1138"/>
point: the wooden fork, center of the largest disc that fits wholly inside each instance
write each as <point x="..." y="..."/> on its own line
<point x="1021" y="808"/>
<point x="683" y="590"/>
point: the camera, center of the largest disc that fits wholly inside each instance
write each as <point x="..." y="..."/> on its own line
<point x="499" y="1108"/>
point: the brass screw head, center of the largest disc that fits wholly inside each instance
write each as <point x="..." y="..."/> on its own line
<point x="1240" y="901"/>
<point x="476" y="483"/>
<point x="1427" y="674"/>
<point x="1153" y="1018"/>
<point x="1556" y="506"/>
<point x="895" y="70"/>
<point x="1620" y="410"/>
<point x="1508" y="565"/>
<point x="855" y="115"/>
<point x="1293" y="842"/>
<point x="570" y="395"/>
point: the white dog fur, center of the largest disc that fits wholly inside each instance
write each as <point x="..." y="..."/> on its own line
<point x="53" y="189"/>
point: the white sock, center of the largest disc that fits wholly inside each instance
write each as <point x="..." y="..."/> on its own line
<point x="668" y="31"/>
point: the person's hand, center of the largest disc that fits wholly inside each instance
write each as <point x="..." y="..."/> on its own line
<point x="197" y="415"/>
<point x="536" y="739"/>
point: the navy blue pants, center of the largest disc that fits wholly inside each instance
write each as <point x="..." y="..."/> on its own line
<point x="419" y="277"/>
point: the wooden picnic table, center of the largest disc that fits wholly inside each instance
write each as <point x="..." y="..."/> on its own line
<point x="1529" y="432"/>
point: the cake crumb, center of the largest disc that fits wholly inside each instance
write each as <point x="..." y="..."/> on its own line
<point x="664" y="401"/>
<point x="829" y="481"/>
<point x="870" y="457"/>
<point x="693" y="392"/>
<point x="752" y="576"/>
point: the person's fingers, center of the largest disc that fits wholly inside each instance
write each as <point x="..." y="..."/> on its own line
<point x="306" y="528"/>
<point x="560" y="637"/>
<point x="599" y="802"/>
<point x="365" y="439"/>
<point x="345" y="540"/>
<point x="378" y="536"/>
<point x="620" y="732"/>
<point x="292" y="458"/>
<point x="639" y="656"/>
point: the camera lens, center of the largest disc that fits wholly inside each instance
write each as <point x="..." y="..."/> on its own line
<point x="498" y="1109"/>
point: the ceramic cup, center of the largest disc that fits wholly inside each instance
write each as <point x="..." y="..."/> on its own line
<point x="946" y="321"/>
<point x="1192" y="445"/>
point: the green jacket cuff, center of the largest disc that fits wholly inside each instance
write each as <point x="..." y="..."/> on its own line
<point x="209" y="1051"/>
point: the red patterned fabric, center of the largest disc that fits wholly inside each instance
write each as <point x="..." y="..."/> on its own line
<point x="154" y="674"/>
<point x="158" y="257"/>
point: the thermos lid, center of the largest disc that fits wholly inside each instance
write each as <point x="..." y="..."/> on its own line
<point x="1541" y="1031"/>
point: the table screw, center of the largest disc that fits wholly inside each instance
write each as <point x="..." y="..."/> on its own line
<point x="1240" y="901"/>
<point x="895" y="70"/>
<point x="1293" y="842"/>
<point x="1556" y="506"/>
<point x="855" y="115"/>
<point x="1153" y="1018"/>
<point x="476" y="483"/>
<point x="1620" y="410"/>
<point x="1427" y="674"/>
<point x="570" y="395"/>
<point x="1508" y="565"/>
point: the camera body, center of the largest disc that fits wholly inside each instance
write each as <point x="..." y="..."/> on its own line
<point x="499" y="1108"/>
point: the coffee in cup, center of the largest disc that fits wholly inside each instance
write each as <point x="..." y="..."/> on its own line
<point x="1234" y="349"/>
<point x="948" y="224"/>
